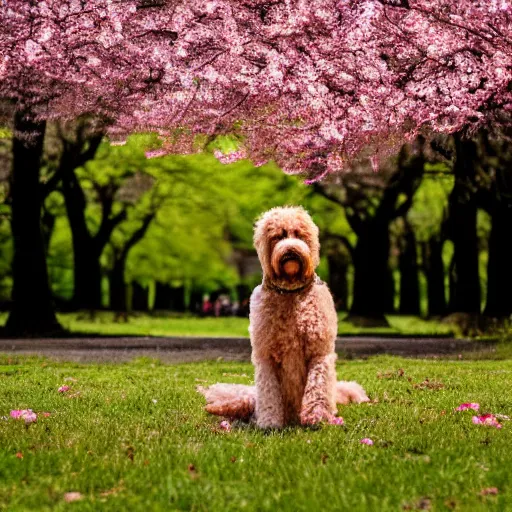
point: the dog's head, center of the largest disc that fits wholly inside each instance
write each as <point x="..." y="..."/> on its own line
<point x="286" y="240"/>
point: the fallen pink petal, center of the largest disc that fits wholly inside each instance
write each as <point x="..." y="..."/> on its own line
<point x="63" y="389"/>
<point x="69" y="497"/>
<point x="366" y="441"/>
<point x="24" y="414"/>
<point x="29" y="416"/>
<point x="467" y="406"/>
<point x="225" y="425"/>
<point x="488" y="420"/>
<point x="336" y="420"/>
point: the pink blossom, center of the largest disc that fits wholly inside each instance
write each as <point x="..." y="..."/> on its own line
<point x="366" y="441"/>
<point x="336" y="420"/>
<point x="24" y="414"/>
<point x="229" y="158"/>
<point x="488" y="420"/>
<point x="225" y="425"/>
<point x="63" y="389"/>
<point x="155" y="153"/>
<point x="296" y="81"/>
<point x="466" y="406"/>
<point x="30" y="417"/>
<point x="375" y="163"/>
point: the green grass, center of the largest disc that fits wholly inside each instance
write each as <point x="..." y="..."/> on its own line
<point x="104" y="323"/>
<point x="122" y="451"/>
<point x="146" y="325"/>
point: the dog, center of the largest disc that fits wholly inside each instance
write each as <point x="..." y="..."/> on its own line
<point x="293" y="328"/>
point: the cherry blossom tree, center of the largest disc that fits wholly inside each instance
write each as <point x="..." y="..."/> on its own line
<point x="315" y="84"/>
<point x="310" y="84"/>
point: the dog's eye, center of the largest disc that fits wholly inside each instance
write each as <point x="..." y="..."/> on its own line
<point x="280" y="236"/>
<point x="298" y="235"/>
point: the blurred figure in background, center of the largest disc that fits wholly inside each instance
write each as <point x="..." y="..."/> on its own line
<point x="207" y="307"/>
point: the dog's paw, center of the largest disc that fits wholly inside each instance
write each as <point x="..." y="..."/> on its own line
<point x="315" y="416"/>
<point x="269" y="423"/>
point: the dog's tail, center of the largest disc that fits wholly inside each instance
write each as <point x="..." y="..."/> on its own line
<point x="230" y="400"/>
<point x="347" y="392"/>
<point x="239" y="401"/>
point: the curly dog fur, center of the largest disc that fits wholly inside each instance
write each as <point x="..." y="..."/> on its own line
<point x="293" y="327"/>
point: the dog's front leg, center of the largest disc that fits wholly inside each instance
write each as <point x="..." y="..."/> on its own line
<point x="318" y="402"/>
<point x="269" y="400"/>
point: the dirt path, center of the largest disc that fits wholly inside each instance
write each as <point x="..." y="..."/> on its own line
<point x="183" y="350"/>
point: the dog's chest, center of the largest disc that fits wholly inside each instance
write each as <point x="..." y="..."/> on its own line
<point x="284" y="327"/>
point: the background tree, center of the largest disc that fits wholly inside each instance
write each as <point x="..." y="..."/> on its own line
<point x="463" y="228"/>
<point x="372" y="201"/>
<point x="409" y="273"/>
<point x="32" y="310"/>
<point x="427" y="217"/>
<point x="495" y="197"/>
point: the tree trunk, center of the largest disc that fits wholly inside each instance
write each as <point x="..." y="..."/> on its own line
<point x="463" y="229"/>
<point x="139" y="297"/>
<point x="47" y="228"/>
<point x="118" y="291"/>
<point x="499" y="270"/>
<point x="177" y="298"/>
<point x="196" y="301"/>
<point x="434" y="270"/>
<point x="87" y="270"/>
<point x="373" y="282"/>
<point x="244" y="294"/>
<point x="452" y="285"/>
<point x="338" y="282"/>
<point x="169" y="298"/>
<point x="163" y="296"/>
<point x="32" y="311"/>
<point x="87" y="279"/>
<point x="409" y="277"/>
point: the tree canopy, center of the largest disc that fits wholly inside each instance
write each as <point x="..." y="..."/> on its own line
<point x="308" y="84"/>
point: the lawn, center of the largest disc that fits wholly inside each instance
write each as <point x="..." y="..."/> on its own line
<point x="135" y="437"/>
<point x="104" y="323"/>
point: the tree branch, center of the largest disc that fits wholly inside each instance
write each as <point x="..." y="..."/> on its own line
<point x="108" y="222"/>
<point x="90" y="152"/>
<point x="51" y="184"/>
<point x="354" y="220"/>
<point x="137" y="235"/>
<point x="344" y="240"/>
<point x="403" y="208"/>
<point x="319" y="189"/>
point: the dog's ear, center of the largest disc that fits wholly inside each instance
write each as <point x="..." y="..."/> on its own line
<point x="259" y="236"/>
<point x="260" y="239"/>
<point x="313" y="237"/>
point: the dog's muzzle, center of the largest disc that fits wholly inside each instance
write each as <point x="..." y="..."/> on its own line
<point x="291" y="260"/>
